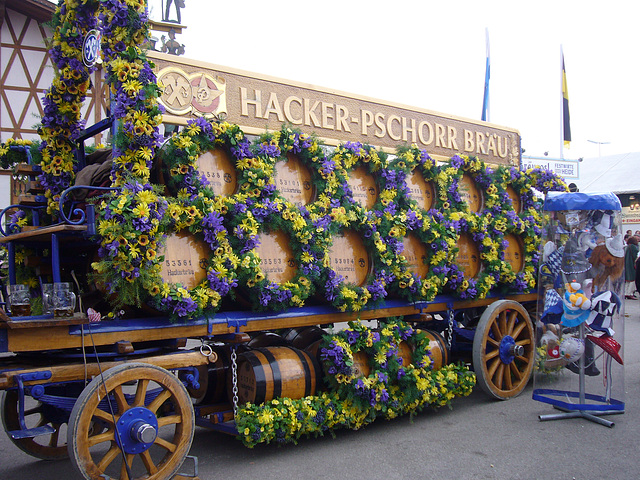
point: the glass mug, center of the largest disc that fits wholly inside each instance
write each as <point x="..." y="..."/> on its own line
<point x="47" y="298"/>
<point x="20" y="300"/>
<point x="64" y="300"/>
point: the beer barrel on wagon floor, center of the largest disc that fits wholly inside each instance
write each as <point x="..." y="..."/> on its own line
<point x="185" y="258"/>
<point x="468" y="256"/>
<point x="349" y="257"/>
<point x="272" y="372"/>
<point x="438" y="348"/>
<point x="293" y="181"/>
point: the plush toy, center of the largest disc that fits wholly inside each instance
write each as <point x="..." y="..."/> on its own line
<point x="608" y="259"/>
<point x="576" y="305"/>
<point x="563" y="352"/>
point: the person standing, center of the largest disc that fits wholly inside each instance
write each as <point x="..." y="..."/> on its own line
<point x="630" y="256"/>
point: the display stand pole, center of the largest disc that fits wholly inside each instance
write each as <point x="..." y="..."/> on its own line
<point x="582" y="399"/>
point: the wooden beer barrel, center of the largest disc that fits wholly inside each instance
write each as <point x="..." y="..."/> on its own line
<point x="416" y="254"/>
<point x="185" y="260"/>
<point x="302" y="337"/>
<point x="438" y="347"/>
<point x="420" y="190"/>
<point x="470" y="193"/>
<point x="468" y="257"/>
<point x="349" y="257"/>
<point x="515" y="199"/>
<point x="363" y="186"/>
<point x="293" y="180"/>
<point x="514" y="253"/>
<point x="273" y="372"/>
<point x="218" y="168"/>
<point x="267" y="339"/>
<point x="276" y="256"/>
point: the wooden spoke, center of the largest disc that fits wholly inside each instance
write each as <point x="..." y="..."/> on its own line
<point x="108" y="436"/>
<point x="496" y="331"/>
<point x="109" y="457"/>
<point x="492" y="354"/>
<point x="165" y="444"/>
<point x="170" y="420"/>
<point x="141" y="390"/>
<point x="148" y="462"/>
<point x="514" y="370"/>
<point x="104" y="416"/>
<point x="159" y="400"/>
<point x="503" y="378"/>
<point x="174" y="438"/>
<point x="503" y="323"/>
<point x="120" y="400"/>
<point x="512" y="321"/>
<point x="518" y="330"/>
<point x="494" y="366"/>
<point x="123" y="468"/>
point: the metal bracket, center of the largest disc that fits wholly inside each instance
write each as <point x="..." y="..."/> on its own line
<point x="25" y="432"/>
<point x="181" y="476"/>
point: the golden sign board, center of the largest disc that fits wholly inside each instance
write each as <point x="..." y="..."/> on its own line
<point x="257" y="102"/>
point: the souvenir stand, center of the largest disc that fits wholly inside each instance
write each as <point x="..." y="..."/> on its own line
<point x="579" y="367"/>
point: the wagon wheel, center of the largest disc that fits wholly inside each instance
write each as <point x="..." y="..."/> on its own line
<point x="503" y="349"/>
<point x="45" y="447"/>
<point x="153" y="427"/>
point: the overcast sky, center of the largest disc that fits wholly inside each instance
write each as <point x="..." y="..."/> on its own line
<point x="432" y="55"/>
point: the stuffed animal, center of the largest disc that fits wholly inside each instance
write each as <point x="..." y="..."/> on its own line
<point x="576" y="305"/>
<point x="608" y="259"/>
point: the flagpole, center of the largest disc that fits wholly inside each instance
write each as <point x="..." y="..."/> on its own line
<point x="561" y="103"/>
<point x="487" y="75"/>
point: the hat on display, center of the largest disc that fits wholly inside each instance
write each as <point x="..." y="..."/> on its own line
<point x="604" y="305"/>
<point x="605" y="223"/>
<point x="615" y="245"/>
<point x="609" y="345"/>
<point x="573" y="259"/>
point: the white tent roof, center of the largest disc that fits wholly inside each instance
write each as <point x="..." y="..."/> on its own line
<point x="613" y="173"/>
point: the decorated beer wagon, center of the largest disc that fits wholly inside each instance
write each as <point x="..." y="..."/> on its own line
<point x="268" y="285"/>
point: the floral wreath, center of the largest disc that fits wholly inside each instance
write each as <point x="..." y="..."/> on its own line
<point x="385" y="260"/>
<point x="392" y="389"/>
<point x="406" y="161"/>
<point x="490" y="256"/>
<point x="327" y="177"/>
<point x="352" y="155"/>
<point x="181" y="152"/>
<point x="250" y="216"/>
<point x="133" y="226"/>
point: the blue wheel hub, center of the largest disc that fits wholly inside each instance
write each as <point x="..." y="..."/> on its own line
<point x="137" y="430"/>
<point x="507" y="347"/>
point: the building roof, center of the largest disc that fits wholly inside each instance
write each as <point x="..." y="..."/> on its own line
<point x="613" y="173"/>
<point x="41" y="10"/>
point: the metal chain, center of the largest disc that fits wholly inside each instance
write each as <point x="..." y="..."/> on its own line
<point x="234" y="377"/>
<point x="449" y="330"/>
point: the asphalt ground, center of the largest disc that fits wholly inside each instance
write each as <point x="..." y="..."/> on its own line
<point x="478" y="438"/>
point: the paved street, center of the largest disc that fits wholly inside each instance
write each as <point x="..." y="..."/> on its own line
<point x="479" y="438"/>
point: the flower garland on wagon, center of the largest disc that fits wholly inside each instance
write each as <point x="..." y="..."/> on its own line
<point x="400" y="215"/>
<point x="62" y="102"/>
<point x="390" y="390"/>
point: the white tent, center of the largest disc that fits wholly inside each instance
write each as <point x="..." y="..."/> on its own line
<point x="613" y="173"/>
